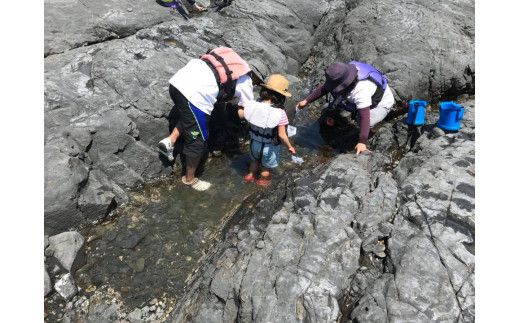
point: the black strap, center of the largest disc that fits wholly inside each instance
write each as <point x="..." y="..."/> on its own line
<point x="227" y="88"/>
<point x="224" y="65"/>
<point x="266" y="136"/>
<point x="377" y="96"/>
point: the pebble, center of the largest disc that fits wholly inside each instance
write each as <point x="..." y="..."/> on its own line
<point x="381" y="254"/>
<point x="129" y="9"/>
<point x="260" y="244"/>
<point x="378" y="248"/>
<point x="152" y="308"/>
<point x="153" y="301"/>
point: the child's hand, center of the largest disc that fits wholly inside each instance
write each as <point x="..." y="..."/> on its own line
<point x="292" y="150"/>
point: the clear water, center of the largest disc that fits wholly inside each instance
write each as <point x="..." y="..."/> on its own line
<point x="149" y="247"/>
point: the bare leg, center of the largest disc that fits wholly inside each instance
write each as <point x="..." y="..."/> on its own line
<point x="265" y="173"/>
<point x="174" y="135"/>
<point x="253" y="168"/>
<point x="191" y="166"/>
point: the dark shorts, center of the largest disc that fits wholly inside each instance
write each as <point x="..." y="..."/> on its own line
<point x="191" y="122"/>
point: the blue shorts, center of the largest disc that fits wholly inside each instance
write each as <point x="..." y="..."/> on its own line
<point x="269" y="156"/>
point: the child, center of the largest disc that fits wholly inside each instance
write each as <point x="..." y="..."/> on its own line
<point x="267" y="122"/>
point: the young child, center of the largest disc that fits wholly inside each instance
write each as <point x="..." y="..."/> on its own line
<point x="267" y="121"/>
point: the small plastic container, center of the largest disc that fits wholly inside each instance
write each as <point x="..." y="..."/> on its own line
<point x="450" y="114"/>
<point x="416" y="112"/>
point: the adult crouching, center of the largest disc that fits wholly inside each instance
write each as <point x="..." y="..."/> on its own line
<point x="356" y="86"/>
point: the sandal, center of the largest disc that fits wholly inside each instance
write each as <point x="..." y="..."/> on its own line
<point x="196" y="184"/>
<point x="263" y="181"/>
<point x="249" y="178"/>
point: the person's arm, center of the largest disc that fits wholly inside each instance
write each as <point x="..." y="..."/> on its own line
<point x="364" y="124"/>
<point x="317" y="93"/>
<point x="282" y="134"/>
<point x="244" y="90"/>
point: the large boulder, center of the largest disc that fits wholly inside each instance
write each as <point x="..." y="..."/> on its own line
<point x="426" y="49"/>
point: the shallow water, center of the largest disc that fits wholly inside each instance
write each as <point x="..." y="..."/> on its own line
<point x="153" y="244"/>
<point x="148" y="248"/>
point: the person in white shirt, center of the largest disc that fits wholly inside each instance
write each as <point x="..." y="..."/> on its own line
<point x="267" y="121"/>
<point x="361" y="88"/>
<point x="220" y="75"/>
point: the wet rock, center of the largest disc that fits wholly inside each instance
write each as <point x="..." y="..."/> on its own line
<point x="102" y="313"/>
<point x="66" y="247"/>
<point x="137" y="265"/>
<point x="129" y="239"/>
<point x="66" y="287"/>
<point x="135" y="316"/>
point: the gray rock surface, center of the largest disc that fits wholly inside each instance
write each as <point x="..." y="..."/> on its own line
<point x="66" y="248"/>
<point x="426" y="49"/>
<point x="74" y="23"/>
<point x="47" y="284"/>
<point x="356" y="239"/>
<point x="66" y="286"/>
<point x="105" y="104"/>
<point x="387" y="236"/>
<point x="102" y="313"/>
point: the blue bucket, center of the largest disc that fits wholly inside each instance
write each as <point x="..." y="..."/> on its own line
<point x="450" y="114"/>
<point x="416" y="111"/>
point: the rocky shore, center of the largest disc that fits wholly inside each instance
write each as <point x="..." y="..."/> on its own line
<point x="358" y="240"/>
<point x="384" y="236"/>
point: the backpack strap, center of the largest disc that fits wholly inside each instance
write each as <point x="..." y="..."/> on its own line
<point x="377" y="96"/>
<point x="226" y="88"/>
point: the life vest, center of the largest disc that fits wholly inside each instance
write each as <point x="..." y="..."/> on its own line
<point x="368" y="72"/>
<point x="227" y="66"/>
<point x="263" y="123"/>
